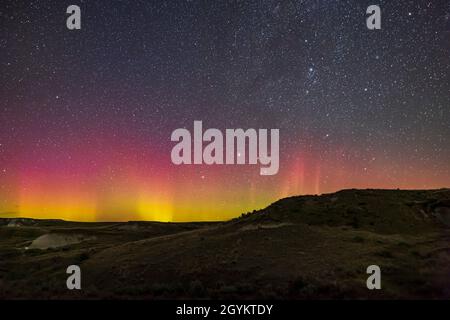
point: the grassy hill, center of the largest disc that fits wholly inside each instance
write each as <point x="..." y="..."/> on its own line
<point x="297" y="248"/>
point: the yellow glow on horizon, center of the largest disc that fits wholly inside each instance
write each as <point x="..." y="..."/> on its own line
<point x="155" y="208"/>
<point x="187" y="197"/>
<point x="72" y="211"/>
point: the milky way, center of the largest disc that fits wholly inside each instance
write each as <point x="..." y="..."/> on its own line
<point x="86" y="115"/>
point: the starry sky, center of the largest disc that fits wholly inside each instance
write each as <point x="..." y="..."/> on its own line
<point x="86" y="115"/>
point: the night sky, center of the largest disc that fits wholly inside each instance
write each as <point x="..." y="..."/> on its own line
<point x="86" y="115"/>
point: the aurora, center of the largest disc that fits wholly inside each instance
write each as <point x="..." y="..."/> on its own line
<point x="87" y="114"/>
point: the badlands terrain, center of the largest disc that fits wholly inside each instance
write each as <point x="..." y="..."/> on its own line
<point x="305" y="247"/>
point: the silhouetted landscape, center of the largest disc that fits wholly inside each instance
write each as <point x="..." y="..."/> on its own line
<point x="304" y="247"/>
